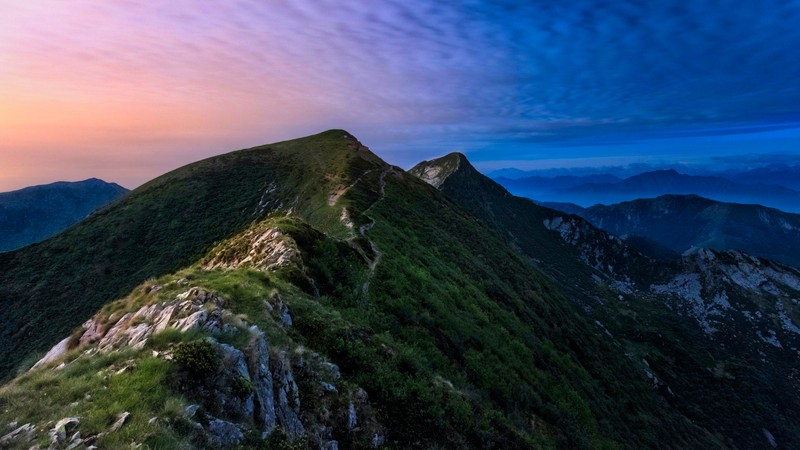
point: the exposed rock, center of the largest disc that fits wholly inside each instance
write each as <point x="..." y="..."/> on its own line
<point x="352" y="418"/>
<point x="93" y="332"/>
<point x="277" y="308"/>
<point x="770" y="438"/>
<point x="234" y="370"/>
<point x="262" y="247"/>
<point x="288" y="398"/>
<point x="55" y="352"/>
<point x="261" y="378"/>
<point x="65" y="426"/>
<point x="25" y="433"/>
<point x="121" y="419"/>
<point x="187" y="312"/>
<point x="330" y="445"/>
<point x="190" y="411"/>
<point x="224" y="434"/>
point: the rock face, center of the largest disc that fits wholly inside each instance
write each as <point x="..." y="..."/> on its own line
<point x="288" y="398"/>
<point x="261" y="378"/>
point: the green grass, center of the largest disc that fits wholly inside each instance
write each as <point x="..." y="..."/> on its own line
<point x="90" y="389"/>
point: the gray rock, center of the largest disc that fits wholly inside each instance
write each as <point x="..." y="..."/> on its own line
<point x="93" y="332"/>
<point x="288" y="404"/>
<point x="234" y="367"/>
<point x="54" y="353"/>
<point x="352" y="418"/>
<point x="58" y="434"/>
<point x="121" y="419"/>
<point x="190" y="411"/>
<point x="261" y="378"/>
<point x="224" y="434"/>
<point x="330" y="445"/>
<point x="25" y="433"/>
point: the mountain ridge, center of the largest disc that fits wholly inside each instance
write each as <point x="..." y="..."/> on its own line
<point x="456" y="340"/>
<point x="681" y="222"/>
<point x="35" y="213"/>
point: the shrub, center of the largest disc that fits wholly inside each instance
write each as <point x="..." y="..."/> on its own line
<point x="197" y="357"/>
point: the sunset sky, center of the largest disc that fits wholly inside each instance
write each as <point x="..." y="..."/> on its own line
<point x="125" y="90"/>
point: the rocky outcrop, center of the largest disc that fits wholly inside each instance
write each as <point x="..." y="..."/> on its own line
<point x="253" y="389"/>
<point x="288" y="397"/>
<point x="195" y="309"/>
<point x="263" y="247"/>
<point x="23" y="434"/>
<point x="257" y="353"/>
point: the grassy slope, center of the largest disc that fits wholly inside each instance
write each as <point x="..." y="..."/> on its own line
<point x="684" y="357"/>
<point x="48" y="288"/>
<point x="458" y="340"/>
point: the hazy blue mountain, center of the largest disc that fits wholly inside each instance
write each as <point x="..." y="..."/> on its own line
<point x="783" y="175"/>
<point x="35" y="213"/>
<point x="662" y="182"/>
<point x="681" y="222"/>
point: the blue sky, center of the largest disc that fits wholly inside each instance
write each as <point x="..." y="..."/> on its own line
<point x="128" y="90"/>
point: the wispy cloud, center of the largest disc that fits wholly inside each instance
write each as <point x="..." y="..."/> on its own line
<point x="411" y="78"/>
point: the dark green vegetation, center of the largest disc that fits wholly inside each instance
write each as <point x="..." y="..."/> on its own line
<point x="158" y="228"/>
<point x="458" y="312"/>
<point x="708" y="374"/>
<point x="680" y="222"/>
<point x="35" y="213"/>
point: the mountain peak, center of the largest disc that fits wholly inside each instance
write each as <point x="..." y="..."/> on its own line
<point x="436" y="171"/>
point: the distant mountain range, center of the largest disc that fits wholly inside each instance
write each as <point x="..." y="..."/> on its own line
<point x="35" y="213"/>
<point x="587" y="190"/>
<point x="683" y="222"/>
<point x="783" y="175"/>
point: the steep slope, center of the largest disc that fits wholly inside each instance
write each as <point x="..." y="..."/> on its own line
<point x="35" y="213"/>
<point x="715" y="333"/>
<point x="167" y="224"/>
<point x="441" y="334"/>
<point x="682" y="222"/>
<point x="663" y="182"/>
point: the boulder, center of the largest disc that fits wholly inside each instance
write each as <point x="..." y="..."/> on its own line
<point x="224" y="434"/>
<point x="65" y="426"/>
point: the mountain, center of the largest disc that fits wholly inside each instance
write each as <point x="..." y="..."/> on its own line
<point x="783" y="175"/>
<point x="714" y="332"/>
<point x="307" y="294"/>
<point x="682" y="222"/>
<point x="35" y="213"/>
<point x="662" y="182"/>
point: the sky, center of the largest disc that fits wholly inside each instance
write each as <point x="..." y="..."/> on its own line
<point x="125" y="90"/>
